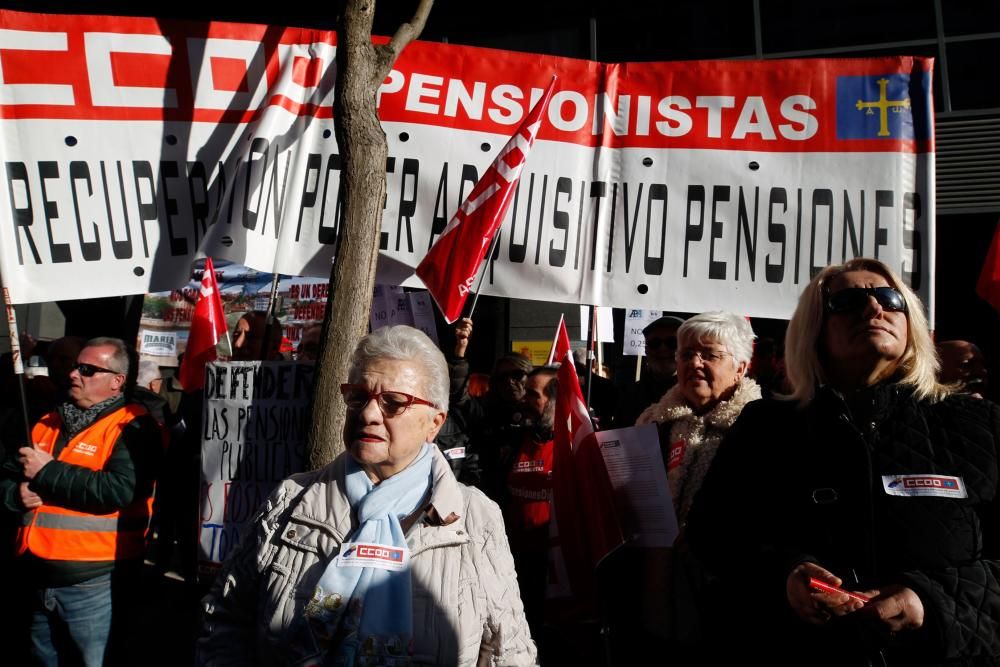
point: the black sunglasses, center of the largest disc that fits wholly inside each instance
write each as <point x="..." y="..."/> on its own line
<point x="89" y="370"/>
<point x="855" y="298"/>
<point x="515" y="375"/>
<point x="670" y="342"/>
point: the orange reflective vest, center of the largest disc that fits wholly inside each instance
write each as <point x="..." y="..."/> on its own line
<point x="58" y="533"/>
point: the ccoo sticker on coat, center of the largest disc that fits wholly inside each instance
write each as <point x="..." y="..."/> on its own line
<point x="382" y="556"/>
<point x="676" y="455"/>
<point x="942" y="486"/>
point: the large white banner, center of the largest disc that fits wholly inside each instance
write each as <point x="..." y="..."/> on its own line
<point x="131" y="147"/>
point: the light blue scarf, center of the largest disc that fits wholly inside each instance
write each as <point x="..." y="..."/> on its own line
<point x="366" y="613"/>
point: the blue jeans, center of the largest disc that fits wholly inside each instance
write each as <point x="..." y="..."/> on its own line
<point x="73" y="622"/>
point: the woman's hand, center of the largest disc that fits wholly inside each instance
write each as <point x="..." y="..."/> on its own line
<point x="895" y="608"/>
<point x="813" y="606"/>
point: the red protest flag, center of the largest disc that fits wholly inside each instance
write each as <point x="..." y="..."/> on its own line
<point x="208" y="326"/>
<point x="584" y="527"/>
<point x="988" y="287"/>
<point x="450" y="266"/>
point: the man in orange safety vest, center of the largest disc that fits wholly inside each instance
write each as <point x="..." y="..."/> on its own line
<point x="84" y="489"/>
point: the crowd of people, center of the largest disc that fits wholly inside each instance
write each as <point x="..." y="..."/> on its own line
<point x="835" y="493"/>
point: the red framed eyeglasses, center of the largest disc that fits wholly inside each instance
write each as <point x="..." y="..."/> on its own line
<point x="391" y="403"/>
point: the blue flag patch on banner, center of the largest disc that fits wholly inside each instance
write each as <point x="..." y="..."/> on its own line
<point x="886" y="106"/>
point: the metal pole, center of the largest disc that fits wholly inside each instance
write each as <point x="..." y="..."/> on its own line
<point x="604" y="613"/>
<point x="591" y="336"/>
<point x="488" y="257"/>
<point x="15" y="350"/>
<point x="215" y="281"/>
<point x="268" y="318"/>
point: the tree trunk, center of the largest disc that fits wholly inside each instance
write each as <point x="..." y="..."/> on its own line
<point x="361" y="68"/>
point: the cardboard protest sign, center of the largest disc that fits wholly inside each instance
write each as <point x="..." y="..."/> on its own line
<point x="256" y="418"/>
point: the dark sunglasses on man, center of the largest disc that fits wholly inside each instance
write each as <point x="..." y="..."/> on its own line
<point x="851" y="299"/>
<point x="89" y="370"/>
<point x="515" y="375"/>
<point x="669" y="342"/>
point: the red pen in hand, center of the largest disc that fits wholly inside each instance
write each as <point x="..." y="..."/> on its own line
<point x="819" y="585"/>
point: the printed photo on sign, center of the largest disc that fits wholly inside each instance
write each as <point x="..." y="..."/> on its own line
<point x="300" y="303"/>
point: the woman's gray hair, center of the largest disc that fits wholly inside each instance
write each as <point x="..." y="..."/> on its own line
<point x="120" y="358"/>
<point x="728" y="329"/>
<point x="404" y="343"/>
<point x="804" y="359"/>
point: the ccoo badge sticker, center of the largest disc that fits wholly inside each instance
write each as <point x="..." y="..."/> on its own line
<point x="942" y="486"/>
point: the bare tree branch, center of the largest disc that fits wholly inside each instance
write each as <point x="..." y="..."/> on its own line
<point x="406" y="33"/>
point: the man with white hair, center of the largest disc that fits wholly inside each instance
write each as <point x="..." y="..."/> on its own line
<point x="659" y="371"/>
<point x="146" y="392"/>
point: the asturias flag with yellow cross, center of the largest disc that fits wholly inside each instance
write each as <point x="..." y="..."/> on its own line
<point x="884" y="106"/>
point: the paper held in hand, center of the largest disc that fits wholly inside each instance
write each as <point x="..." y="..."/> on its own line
<point x="635" y="467"/>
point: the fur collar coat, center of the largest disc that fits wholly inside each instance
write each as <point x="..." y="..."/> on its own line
<point x="689" y="441"/>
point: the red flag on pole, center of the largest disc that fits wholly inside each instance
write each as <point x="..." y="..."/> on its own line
<point x="584" y="526"/>
<point x="450" y="266"/>
<point x="208" y="326"/>
<point x="988" y="287"/>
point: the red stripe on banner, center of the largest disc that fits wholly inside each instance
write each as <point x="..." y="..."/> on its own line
<point x="21" y="66"/>
<point x="140" y="70"/>
<point x="307" y="72"/>
<point x="764" y="106"/>
<point x="230" y="75"/>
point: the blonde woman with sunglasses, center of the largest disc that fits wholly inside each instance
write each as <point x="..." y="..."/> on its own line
<point x="857" y="522"/>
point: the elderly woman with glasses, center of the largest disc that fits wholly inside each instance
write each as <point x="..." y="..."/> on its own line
<point x="381" y="557"/>
<point x="713" y="354"/>
<point x="874" y="479"/>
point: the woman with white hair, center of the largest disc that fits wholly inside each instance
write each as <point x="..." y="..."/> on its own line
<point x="874" y="478"/>
<point x="713" y="354"/>
<point x="381" y="557"/>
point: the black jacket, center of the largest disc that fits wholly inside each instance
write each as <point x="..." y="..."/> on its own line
<point x="638" y="396"/>
<point x="791" y="485"/>
<point x="488" y="429"/>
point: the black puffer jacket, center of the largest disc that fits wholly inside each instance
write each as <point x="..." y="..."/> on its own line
<point x="791" y="485"/>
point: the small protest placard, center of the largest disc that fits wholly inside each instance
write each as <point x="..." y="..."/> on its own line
<point x="637" y="319"/>
<point x="255" y="421"/>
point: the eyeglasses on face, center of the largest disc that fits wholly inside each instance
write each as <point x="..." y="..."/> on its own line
<point x="688" y="354"/>
<point x="391" y="403"/>
<point x="852" y="299"/>
<point x="89" y="370"/>
<point x="669" y="342"/>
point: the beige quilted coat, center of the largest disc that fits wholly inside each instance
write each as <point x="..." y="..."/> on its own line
<point x="466" y="605"/>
